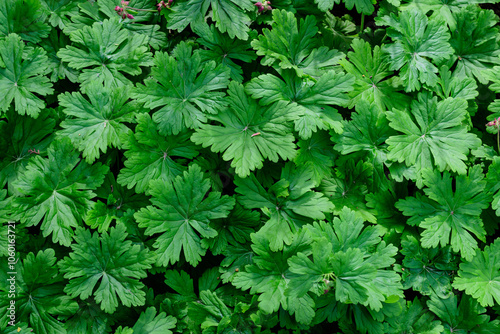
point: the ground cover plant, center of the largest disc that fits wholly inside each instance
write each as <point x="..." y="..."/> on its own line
<point x="223" y="166"/>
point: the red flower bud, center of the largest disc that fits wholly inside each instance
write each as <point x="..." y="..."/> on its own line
<point x="125" y="3"/>
<point x="258" y="4"/>
<point x="118" y="9"/>
<point x="130" y="16"/>
<point x="269" y="8"/>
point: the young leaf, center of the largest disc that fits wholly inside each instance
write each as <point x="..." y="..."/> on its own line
<point x="150" y="156"/>
<point x="96" y="124"/>
<point x="416" y="38"/>
<point x="433" y="135"/>
<point x="58" y="191"/>
<point x="450" y="212"/>
<point x="22" y="72"/>
<point x="109" y="261"/>
<point x="184" y="88"/>
<point x="249" y="133"/>
<point x="106" y="51"/>
<point x="180" y="210"/>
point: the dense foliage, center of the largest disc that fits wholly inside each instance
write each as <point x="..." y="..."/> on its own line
<point x="231" y="166"/>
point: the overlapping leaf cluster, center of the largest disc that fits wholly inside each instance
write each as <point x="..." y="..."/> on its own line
<point x="233" y="166"/>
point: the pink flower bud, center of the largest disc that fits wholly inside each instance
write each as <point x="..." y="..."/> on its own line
<point x="124" y="16"/>
<point x="269" y="8"/>
<point x="258" y="4"/>
<point x="125" y="3"/>
<point x="130" y="16"/>
<point x="118" y="9"/>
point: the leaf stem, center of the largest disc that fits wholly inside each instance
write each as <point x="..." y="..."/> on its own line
<point x="498" y="138"/>
<point x="362" y="26"/>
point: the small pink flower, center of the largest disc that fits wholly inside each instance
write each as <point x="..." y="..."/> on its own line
<point x="118" y="9"/>
<point x="125" y="3"/>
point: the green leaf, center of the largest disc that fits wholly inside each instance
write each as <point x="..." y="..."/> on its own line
<point x="364" y="7"/>
<point x="467" y="317"/>
<point x="150" y="323"/>
<point x="58" y="69"/>
<point x="97" y="124"/>
<point x="292" y="45"/>
<point x="313" y="100"/>
<point x="229" y="15"/>
<point x="184" y="88"/>
<point x="493" y="184"/>
<point x="180" y="210"/>
<point x="23" y="17"/>
<point x="416" y="39"/>
<point x="427" y="270"/>
<point x="337" y="32"/>
<point x="89" y="319"/>
<point x="249" y="133"/>
<point x="39" y="298"/>
<point x="233" y="230"/>
<point x="318" y="152"/>
<point x="414" y="319"/>
<point x="57" y="191"/>
<point x="373" y="82"/>
<point x="59" y="11"/>
<point x="449" y="213"/>
<point x="476" y="42"/>
<point x="349" y="259"/>
<point x="289" y="203"/>
<point x="106" y="51"/>
<point x="111" y="263"/>
<point x="150" y="156"/>
<point x="223" y="49"/>
<point x="348" y="187"/>
<point x="268" y="275"/>
<point x="22" y="72"/>
<point x="120" y="205"/>
<point x="23" y="137"/>
<point x="480" y="276"/>
<point x="367" y="131"/>
<point x="433" y="135"/>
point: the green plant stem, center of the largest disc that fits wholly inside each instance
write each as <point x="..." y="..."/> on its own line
<point x="498" y="139"/>
<point x="362" y="26"/>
